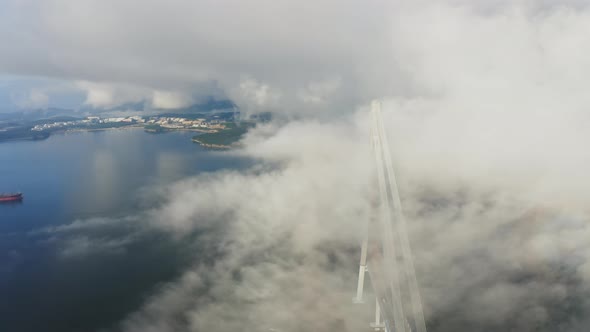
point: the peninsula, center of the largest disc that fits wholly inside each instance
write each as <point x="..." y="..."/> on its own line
<point x="219" y="130"/>
<point x="224" y="139"/>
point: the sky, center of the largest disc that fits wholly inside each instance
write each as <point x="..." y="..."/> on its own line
<point x="269" y="55"/>
<point x="486" y="110"/>
<point x="282" y="56"/>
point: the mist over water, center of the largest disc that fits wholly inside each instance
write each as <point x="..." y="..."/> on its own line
<point x="224" y="239"/>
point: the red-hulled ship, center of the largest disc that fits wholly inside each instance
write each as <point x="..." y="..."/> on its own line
<point x="11" y="197"/>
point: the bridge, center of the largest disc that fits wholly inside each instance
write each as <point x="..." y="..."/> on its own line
<point x="385" y="251"/>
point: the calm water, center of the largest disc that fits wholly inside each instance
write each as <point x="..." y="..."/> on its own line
<point x="84" y="176"/>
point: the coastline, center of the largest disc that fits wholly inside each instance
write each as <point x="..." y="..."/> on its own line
<point x="195" y="139"/>
<point x="212" y="146"/>
<point x="21" y="139"/>
<point x="163" y="130"/>
<point x="137" y="126"/>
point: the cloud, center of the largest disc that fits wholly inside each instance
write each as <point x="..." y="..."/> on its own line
<point x="87" y="237"/>
<point x="259" y="94"/>
<point x="493" y="251"/>
<point x="278" y="243"/>
<point x="166" y="100"/>
<point x="83" y="246"/>
<point x="320" y="92"/>
<point x="283" y="260"/>
<point x="489" y="255"/>
<point x="299" y="58"/>
<point x="97" y="95"/>
<point x="108" y="95"/>
<point x="35" y="98"/>
<point x="182" y="46"/>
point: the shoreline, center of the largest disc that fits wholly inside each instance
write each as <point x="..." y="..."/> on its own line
<point x="21" y="139"/>
<point x="163" y="130"/>
<point x="212" y="146"/>
<point x="132" y="126"/>
<point x="135" y="126"/>
<point x="78" y="130"/>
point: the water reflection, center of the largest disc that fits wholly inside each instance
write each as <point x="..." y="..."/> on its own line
<point x="80" y="175"/>
<point x="170" y="165"/>
<point x="13" y="203"/>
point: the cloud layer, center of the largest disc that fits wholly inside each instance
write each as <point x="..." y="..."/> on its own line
<point x="265" y="54"/>
<point x="492" y="252"/>
<point x="301" y="57"/>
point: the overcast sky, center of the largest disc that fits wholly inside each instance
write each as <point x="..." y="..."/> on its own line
<point x="288" y="56"/>
<point x="264" y="54"/>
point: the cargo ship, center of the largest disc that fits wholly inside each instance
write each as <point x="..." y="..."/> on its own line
<point x="11" y="197"/>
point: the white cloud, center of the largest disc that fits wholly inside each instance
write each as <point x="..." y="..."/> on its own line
<point x="31" y="99"/>
<point x="168" y="99"/>
<point x="257" y="96"/>
<point x="276" y="245"/>
<point x="97" y="95"/>
<point x="281" y="49"/>
<point x="36" y="99"/>
<point x="109" y="94"/>
<point x="490" y="253"/>
<point x="320" y="92"/>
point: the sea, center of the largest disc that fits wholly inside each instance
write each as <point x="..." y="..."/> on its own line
<point x="75" y="178"/>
